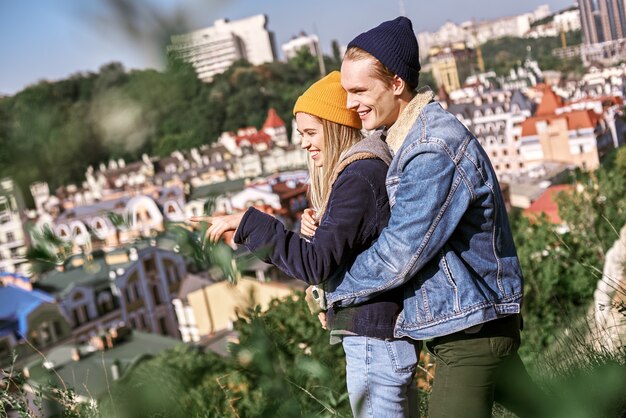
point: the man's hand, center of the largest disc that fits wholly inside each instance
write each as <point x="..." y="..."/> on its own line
<point x="219" y="224"/>
<point x="308" y="222"/>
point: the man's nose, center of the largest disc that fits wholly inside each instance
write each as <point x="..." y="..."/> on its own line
<point x="351" y="103"/>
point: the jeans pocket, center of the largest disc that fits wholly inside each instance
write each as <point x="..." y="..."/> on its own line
<point x="403" y="355"/>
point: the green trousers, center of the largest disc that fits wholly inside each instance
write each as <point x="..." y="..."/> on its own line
<point x="475" y="369"/>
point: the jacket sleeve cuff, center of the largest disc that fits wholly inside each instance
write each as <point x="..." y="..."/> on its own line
<point x="253" y="228"/>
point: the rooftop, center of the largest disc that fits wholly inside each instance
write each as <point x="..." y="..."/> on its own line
<point x="93" y="372"/>
<point x="546" y="204"/>
<point x="15" y="306"/>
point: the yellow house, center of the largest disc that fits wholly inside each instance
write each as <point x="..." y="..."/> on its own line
<point x="214" y="307"/>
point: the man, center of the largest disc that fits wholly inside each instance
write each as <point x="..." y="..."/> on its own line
<point x="448" y="241"/>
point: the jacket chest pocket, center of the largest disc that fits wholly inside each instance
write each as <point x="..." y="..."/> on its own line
<point x="392" y="187"/>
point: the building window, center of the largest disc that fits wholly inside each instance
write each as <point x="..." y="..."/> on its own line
<point x="105" y="302"/>
<point x="149" y="265"/>
<point x="128" y="295"/>
<point x="83" y="311"/>
<point x="173" y="277"/>
<point x="163" y="325"/>
<point x="155" y="294"/>
<point x="58" y="330"/>
<point x="5" y="215"/>
<point x="44" y="335"/>
<point x="79" y="314"/>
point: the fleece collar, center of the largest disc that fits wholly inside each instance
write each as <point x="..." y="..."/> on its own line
<point x="371" y="147"/>
<point x="399" y="130"/>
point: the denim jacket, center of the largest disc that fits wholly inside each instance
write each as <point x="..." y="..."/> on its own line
<point x="448" y="240"/>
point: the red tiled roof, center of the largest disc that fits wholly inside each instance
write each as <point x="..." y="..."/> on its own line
<point x="546" y="204"/>
<point x="549" y="102"/>
<point x="576" y="119"/>
<point x="605" y="100"/>
<point x="273" y="120"/>
<point x="255" y="138"/>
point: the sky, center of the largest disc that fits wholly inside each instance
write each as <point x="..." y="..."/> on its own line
<point x="53" y="39"/>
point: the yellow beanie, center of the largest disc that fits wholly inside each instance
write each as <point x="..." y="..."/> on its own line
<point x="326" y="99"/>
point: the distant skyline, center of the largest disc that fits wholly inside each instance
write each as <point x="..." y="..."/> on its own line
<point x="52" y="40"/>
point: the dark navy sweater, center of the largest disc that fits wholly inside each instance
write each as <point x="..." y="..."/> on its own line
<point x="357" y="211"/>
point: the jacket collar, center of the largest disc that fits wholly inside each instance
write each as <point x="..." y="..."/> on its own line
<point x="399" y="130"/>
<point x="370" y="147"/>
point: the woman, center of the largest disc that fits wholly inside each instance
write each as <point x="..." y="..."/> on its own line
<point x="348" y="194"/>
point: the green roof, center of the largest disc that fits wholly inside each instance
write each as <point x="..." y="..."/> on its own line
<point x="94" y="274"/>
<point x="204" y="192"/>
<point x="91" y="376"/>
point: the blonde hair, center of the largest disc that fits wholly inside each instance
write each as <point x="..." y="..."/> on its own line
<point x="337" y="139"/>
<point x="381" y="71"/>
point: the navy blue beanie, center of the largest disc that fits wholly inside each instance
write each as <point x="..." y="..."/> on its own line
<point x="394" y="44"/>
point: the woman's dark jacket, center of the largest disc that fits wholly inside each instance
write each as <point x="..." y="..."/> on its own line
<point x="356" y="213"/>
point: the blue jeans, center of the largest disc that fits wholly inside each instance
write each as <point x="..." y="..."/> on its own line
<point x="379" y="374"/>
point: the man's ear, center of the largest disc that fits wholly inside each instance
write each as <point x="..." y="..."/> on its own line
<point x="398" y="85"/>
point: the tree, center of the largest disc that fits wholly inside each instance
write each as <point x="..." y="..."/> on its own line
<point x="561" y="270"/>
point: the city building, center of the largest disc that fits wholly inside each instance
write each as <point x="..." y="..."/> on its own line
<point x="475" y="33"/>
<point x="295" y="44"/>
<point x="495" y="118"/>
<point x="602" y="20"/>
<point x="451" y="65"/>
<point x="209" y="307"/>
<point x="556" y="133"/>
<point x="283" y="194"/>
<point x="546" y="205"/>
<point x="528" y="185"/>
<point x="13" y="238"/>
<point x="604" y="31"/>
<point x="563" y="21"/>
<point x="30" y="320"/>
<point x="119" y="218"/>
<point x="133" y="285"/>
<point x="214" y="49"/>
<point x="568" y="20"/>
<point x="602" y="81"/>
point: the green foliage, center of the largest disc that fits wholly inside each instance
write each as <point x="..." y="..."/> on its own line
<point x="427" y="79"/>
<point x="47" y="250"/>
<point x="282" y="367"/>
<point x="561" y="270"/>
<point x="503" y="54"/>
<point x="179" y="382"/>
